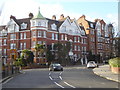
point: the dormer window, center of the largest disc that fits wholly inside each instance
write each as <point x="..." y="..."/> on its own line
<point x="54" y="27"/>
<point x="23" y="26"/>
<point x="83" y="32"/>
<point x="91" y="24"/>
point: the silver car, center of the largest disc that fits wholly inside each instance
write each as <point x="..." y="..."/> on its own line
<point x="55" y="67"/>
<point x="92" y="64"/>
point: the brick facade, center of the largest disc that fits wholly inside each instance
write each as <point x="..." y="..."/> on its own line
<point x="25" y="33"/>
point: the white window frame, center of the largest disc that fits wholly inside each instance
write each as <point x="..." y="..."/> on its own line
<point x="54" y="26"/>
<point x="5" y="51"/>
<point x="24" y="45"/>
<point x="85" y="49"/>
<point x="33" y="33"/>
<point x="91" y="24"/>
<point x="12" y="46"/>
<point x="56" y="36"/>
<point x="12" y="36"/>
<point x="21" y="45"/>
<point x="62" y="37"/>
<point x="103" y="26"/>
<point x="25" y="36"/>
<point x="44" y="34"/>
<point x="66" y="37"/>
<point x="52" y="46"/>
<point x="75" y="39"/>
<point x="39" y="33"/>
<point x="53" y="37"/>
<point x="78" y="48"/>
<point x="23" y="26"/>
<point x="5" y="42"/>
<point x="75" y="47"/>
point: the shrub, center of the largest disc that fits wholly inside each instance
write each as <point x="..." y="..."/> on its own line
<point x="115" y="62"/>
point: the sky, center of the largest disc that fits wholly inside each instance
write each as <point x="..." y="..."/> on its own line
<point x="92" y="9"/>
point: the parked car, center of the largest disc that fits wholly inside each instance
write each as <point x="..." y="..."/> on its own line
<point x="55" y="67"/>
<point x="92" y="64"/>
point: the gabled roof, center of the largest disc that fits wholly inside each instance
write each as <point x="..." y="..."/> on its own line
<point x="26" y="21"/>
<point x="2" y="27"/>
<point x="50" y="22"/>
<point x="20" y="21"/>
<point x="14" y="18"/>
<point x="94" y="23"/>
<point x="83" y="29"/>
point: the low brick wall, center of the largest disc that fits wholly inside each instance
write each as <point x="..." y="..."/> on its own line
<point x="115" y="70"/>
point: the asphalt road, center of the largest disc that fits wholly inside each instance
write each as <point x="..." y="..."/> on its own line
<point x="75" y="77"/>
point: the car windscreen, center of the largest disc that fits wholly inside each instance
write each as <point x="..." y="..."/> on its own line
<point x="56" y="65"/>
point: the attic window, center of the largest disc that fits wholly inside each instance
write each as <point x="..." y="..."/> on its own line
<point x="54" y="27"/>
<point x="83" y="32"/>
<point x="91" y="24"/>
<point x="23" y="26"/>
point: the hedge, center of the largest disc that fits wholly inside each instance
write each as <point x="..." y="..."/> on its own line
<point x="115" y="62"/>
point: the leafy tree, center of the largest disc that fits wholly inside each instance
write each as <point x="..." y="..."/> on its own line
<point x="28" y="56"/>
<point x="66" y="49"/>
<point x="58" y="47"/>
<point x="19" y="62"/>
<point x="50" y="57"/>
<point x="40" y="49"/>
<point x="62" y="52"/>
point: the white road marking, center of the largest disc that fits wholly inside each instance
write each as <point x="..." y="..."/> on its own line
<point x="69" y="85"/>
<point x="50" y="78"/>
<point x="49" y="73"/>
<point x="60" y="77"/>
<point x="90" y="86"/>
<point x="58" y="85"/>
<point x="7" y="80"/>
<point x="60" y="73"/>
<point x="102" y="83"/>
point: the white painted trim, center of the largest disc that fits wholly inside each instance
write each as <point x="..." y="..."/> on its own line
<point x="34" y="28"/>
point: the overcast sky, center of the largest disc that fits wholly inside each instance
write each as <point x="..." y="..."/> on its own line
<point x="102" y="9"/>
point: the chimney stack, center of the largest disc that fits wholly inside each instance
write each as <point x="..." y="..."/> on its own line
<point x="30" y="15"/>
<point x="54" y="17"/>
<point x="61" y="16"/>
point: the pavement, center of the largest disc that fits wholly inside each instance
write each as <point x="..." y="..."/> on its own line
<point x="105" y="72"/>
<point x="6" y="78"/>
